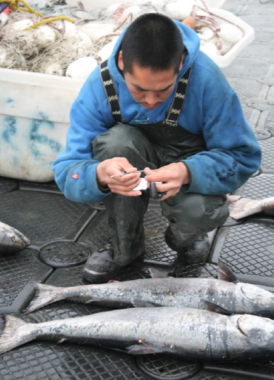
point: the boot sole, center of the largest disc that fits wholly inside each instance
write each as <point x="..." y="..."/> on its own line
<point x="97" y="278"/>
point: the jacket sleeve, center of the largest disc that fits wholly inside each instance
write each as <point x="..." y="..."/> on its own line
<point x="233" y="153"/>
<point x="74" y="168"/>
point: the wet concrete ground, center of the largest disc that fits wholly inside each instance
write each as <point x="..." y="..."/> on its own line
<point x="63" y="234"/>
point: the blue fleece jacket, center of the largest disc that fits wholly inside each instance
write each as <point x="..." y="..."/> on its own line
<point x="211" y="108"/>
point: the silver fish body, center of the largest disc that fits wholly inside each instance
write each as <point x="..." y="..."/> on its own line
<point x="188" y="333"/>
<point x="11" y="240"/>
<point x="171" y="292"/>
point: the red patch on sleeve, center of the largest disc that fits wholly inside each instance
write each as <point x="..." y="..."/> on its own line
<point x="75" y="176"/>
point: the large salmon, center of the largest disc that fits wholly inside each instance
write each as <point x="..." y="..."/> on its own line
<point x="235" y="297"/>
<point x="189" y="333"/>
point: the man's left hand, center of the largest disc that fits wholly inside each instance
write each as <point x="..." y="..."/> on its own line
<point x="172" y="176"/>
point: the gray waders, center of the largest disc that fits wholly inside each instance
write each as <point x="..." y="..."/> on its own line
<point x="154" y="146"/>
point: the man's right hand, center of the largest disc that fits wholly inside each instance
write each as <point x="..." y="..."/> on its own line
<point x="120" y="184"/>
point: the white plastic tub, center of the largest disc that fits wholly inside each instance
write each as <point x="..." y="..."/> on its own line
<point x="34" y="116"/>
<point x="216" y="3"/>
<point x="225" y="60"/>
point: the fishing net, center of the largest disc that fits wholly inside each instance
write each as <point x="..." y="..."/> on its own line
<point x="21" y="49"/>
<point x="17" y="46"/>
<point x="56" y="58"/>
<point x="53" y="47"/>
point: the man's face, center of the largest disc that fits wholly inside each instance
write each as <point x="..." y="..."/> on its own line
<point x="147" y="87"/>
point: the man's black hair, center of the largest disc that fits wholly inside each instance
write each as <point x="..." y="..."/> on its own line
<point x="154" y="41"/>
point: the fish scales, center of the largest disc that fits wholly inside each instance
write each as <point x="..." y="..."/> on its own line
<point x="172" y="292"/>
<point x="188" y="333"/>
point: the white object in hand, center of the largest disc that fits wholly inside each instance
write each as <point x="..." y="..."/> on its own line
<point x="143" y="185"/>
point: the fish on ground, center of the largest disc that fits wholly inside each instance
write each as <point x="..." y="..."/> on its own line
<point x="12" y="240"/>
<point x="185" y="332"/>
<point x="226" y="293"/>
<point x="240" y="207"/>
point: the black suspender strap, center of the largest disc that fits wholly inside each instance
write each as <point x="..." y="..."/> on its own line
<point x="111" y="93"/>
<point x="178" y="100"/>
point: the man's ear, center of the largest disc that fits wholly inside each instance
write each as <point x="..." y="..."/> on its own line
<point x="182" y="60"/>
<point x="120" y="61"/>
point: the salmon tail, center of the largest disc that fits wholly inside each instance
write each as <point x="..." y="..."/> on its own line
<point x="44" y="295"/>
<point x="13" y="333"/>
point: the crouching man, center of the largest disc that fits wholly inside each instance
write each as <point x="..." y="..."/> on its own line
<point x="159" y="104"/>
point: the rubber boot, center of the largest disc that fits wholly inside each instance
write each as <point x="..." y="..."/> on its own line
<point x="191" y="248"/>
<point x="101" y="267"/>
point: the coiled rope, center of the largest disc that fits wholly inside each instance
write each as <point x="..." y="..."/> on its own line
<point x="14" y="6"/>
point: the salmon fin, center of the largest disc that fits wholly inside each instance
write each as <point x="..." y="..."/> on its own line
<point x="139" y="303"/>
<point x="10" y="334"/>
<point x="86" y="302"/>
<point x="61" y="340"/>
<point x="225" y="273"/>
<point x="44" y="295"/>
<point x="216" y="308"/>
<point x="140" y="349"/>
<point x="157" y="273"/>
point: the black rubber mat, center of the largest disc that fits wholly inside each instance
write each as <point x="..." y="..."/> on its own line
<point x="270" y="119"/>
<point x="64" y="254"/>
<point x="42" y="361"/>
<point x="256" y="49"/>
<point x="163" y="367"/>
<point x="245" y="88"/>
<point x="248" y="245"/>
<point x="16" y="271"/>
<point x="7" y="185"/>
<point x="201" y="271"/>
<point x="262" y="36"/>
<point x="259" y="187"/>
<point x="48" y="187"/>
<point x="238" y="68"/>
<point x="263" y="134"/>
<point x="247" y="248"/>
<point x="42" y="217"/>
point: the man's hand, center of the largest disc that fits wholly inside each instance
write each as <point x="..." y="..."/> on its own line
<point x="173" y="176"/>
<point x="120" y="184"/>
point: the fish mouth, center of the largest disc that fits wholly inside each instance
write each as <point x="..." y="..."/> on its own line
<point x="24" y="240"/>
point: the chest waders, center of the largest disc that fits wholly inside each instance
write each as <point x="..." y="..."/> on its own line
<point x="154" y="145"/>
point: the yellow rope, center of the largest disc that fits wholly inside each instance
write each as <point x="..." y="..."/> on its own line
<point x="50" y="19"/>
<point x="14" y="6"/>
